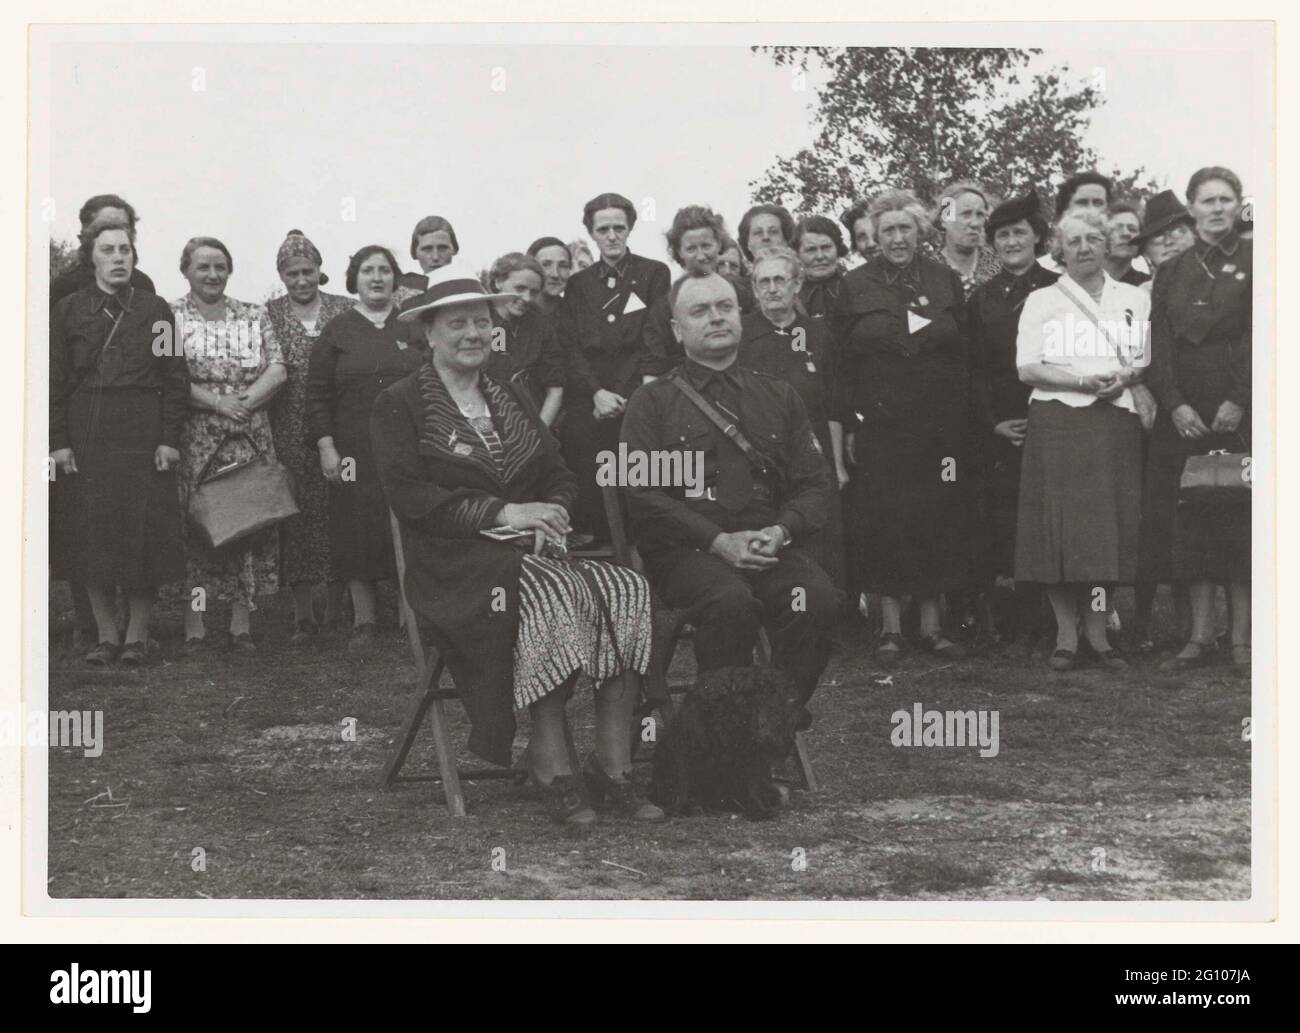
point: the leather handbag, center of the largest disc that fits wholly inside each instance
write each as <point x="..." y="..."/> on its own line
<point x="1217" y="474"/>
<point x="240" y="499"/>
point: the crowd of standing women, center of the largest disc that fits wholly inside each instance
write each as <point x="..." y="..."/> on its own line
<point x="983" y="468"/>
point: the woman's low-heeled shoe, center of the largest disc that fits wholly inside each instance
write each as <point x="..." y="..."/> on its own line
<point x="1061" y="660"/>
<point x="564" y="802"/>
<point x="942" y="647"/>
<point x="362" y="639"/>
<point x="133" y="654"/>
<point x="889" y="648"/>
<point x="102" y="655"/>
<point x="620" y="793"/>
<point x="243" y="643"/>
<point x="303" y="632"/>
<point x="1112" y="659"/>
<point x="1205" y="655"/>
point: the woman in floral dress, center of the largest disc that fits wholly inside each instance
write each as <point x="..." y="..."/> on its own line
<point x="234" y="373"/>
<point x="291" y="325"/>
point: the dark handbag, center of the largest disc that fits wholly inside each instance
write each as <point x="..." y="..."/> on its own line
<point x="1217" y="474"/>
<point x="240" y="499"/>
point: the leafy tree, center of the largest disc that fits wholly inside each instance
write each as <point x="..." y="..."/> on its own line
<point x="63" y="256"/>
<point x="919" y="118"/>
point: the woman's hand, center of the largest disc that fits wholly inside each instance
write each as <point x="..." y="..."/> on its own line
<point x="331" y="465"/>
<point x="1188" y="423"/>
<point x="1112" y="387"/>
<point x="1013" y="431"/>
<point x="1094" y="384"/>
<point x="64" y="461"/>
<point x="547" y="517"/>
<point x="165" y="458"/>
<point x="232" y="409"/>
<point x="1228" y="418"/>
<point x="606" y="404"/>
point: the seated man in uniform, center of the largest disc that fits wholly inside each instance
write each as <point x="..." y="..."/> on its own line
<point x="735" y="555"/>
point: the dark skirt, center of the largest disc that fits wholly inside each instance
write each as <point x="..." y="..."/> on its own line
<point x="1207" y="540"/>
<point x="117" y="520"/>
<point x="361" y="538"/>
<point x="913" y="534"/>
<point x="1080" y="487"/>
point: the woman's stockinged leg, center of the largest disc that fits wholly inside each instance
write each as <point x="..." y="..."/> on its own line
<point x="1065" y="605"/>
<point x="240" y="619"/>
<point x="616" y="700"/>
<point x="548" y="750"/>
<point x="104" y="606"/>
<point x="1201" y="594"/>
<point x="141" y="604"/>
<point x="891" y="615"/>
<point x="303" y="610"/>
<point x="363" y="602"/>
<point x="1239" y="604"/>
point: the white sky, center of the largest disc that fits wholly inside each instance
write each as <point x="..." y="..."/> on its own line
<point x="291" y="135"/>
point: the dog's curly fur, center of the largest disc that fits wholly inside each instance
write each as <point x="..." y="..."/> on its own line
<point x="718" y="750"/>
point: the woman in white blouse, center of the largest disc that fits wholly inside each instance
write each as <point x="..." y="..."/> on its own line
<point x="1082" y="347"/>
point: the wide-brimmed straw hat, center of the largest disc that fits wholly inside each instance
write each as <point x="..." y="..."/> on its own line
<point x="447" y="286"/>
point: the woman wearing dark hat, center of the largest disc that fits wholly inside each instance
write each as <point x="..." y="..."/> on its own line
<point x="1200" y="372"/>
<point x="1168" y="229"/>
<point x="906" y="370"/>
<point x="1017" y="232"/>
<point x="1080" y="345"/>
<point x="462" y="453"/>
<point x="116" y="412"/>
<point x="526" y="350"/>
<point x="361" y="352"/>
<point x="294" y="323"/>
<point x="820" y="247"/>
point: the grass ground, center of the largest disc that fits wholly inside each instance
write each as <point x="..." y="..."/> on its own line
<point x="1106" y="787"/>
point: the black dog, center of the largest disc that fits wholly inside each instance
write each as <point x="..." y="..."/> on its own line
<point x="718" y="750"/>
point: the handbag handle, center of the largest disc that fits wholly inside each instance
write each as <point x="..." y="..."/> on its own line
<point x="203" y="474"/>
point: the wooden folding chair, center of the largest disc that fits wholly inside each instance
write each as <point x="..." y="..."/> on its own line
<point x="668" y="628"/>
<point x="429" y="699"/>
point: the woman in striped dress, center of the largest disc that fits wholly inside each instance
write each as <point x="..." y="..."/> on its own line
<point x="461" y="453"/>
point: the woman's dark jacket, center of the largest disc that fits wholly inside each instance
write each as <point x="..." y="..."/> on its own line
<point x="442" y="500"/>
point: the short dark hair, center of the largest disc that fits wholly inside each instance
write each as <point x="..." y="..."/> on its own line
<point x="542" y="243"/>
<point x="355" y="263"/>
<point x="1067" y="190"/>
<point x="102" y="224"/>
<point x="1126" y="206"/>
<point x="95" y="205"/>
<point x="194" y="243"/>
<point x="512" y="263"/>
<point x="824" y="226"/>
<point x="1202" y="176"/>
<point x="602" y="201"/>
<point x="693" y="217"/>
<point x="852" y="215"/>
<point x="681" y="282"/>
<point x="786" y="219"/>
<point x="432" y="224"/>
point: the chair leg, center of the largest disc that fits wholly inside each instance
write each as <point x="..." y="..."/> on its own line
<point x="805" y="762"/>
<point x="410" y="729"/>
<point x="446" y="761"/>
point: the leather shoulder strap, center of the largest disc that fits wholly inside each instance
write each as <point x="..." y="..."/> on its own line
<point x="728" y="427"/>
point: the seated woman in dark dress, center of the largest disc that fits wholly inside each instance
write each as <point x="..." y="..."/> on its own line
<point x="461" y="452"/>
<point x="116" y="410"/>
<point x="357" y="355"/>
